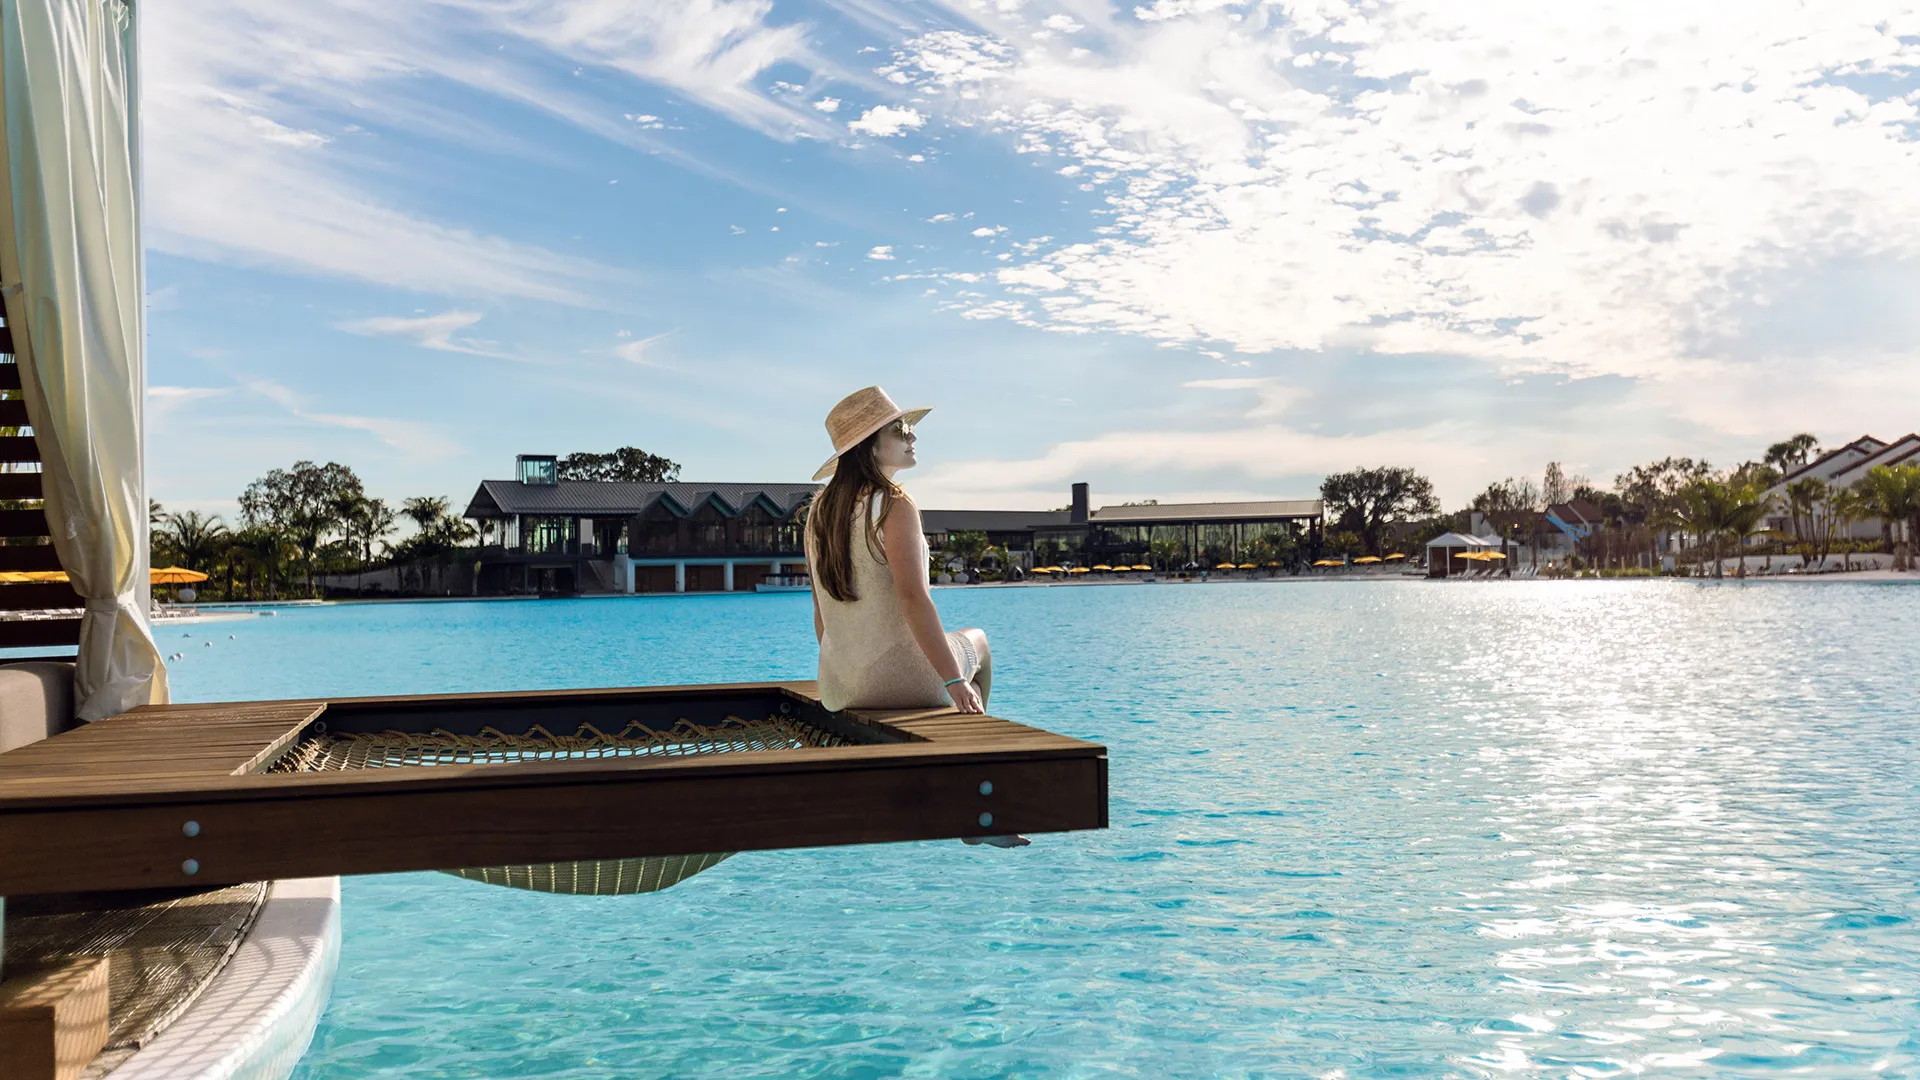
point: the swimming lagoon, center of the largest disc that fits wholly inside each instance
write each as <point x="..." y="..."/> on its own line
<point x="1359" y="830"/>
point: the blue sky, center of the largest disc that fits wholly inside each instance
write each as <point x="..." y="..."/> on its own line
<point x="1180" y="250"/>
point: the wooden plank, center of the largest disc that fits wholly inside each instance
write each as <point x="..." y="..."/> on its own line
<point x="38" y="596"/>
<point x="19" y="485"/>
<point x="17" y="448"/>
<point x="29" y="557"/>
<point x="98" y="779"/>
<point x="13" y="413"/>
<point x="378" y="831"/>
<point x="53" y="1019"/>
<point x="23" y="523"/>
<point x="26" y="633"/>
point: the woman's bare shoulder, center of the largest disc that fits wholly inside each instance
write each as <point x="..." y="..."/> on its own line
<point x="903" y="504"/>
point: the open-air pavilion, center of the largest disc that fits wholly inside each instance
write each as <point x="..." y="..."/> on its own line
<point x="1445" y="553"/>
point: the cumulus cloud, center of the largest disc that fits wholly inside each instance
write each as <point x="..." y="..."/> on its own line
<point x="883" y="121"/>
<point x="1581" y="193"/>
<point x="881" y="252"/>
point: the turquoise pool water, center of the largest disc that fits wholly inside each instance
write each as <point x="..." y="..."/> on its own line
<point x="1359" y="830"/>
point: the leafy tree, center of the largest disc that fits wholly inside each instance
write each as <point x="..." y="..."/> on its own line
<point x="301" y="503"/>
<point x="1554" y="485"/>
<point x="628" y="464"/>
<point x="1650" y="495"/>
<point x="1893" y="494"/>
<point x="1362" y="501"/>
<point x="967" y="545"/>
<point x="1789" y="454"/>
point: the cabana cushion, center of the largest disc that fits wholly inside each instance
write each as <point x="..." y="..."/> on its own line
<point x="36" y="700"/>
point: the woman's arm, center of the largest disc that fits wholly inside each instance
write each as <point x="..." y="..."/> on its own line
<point x="900" y="536"/>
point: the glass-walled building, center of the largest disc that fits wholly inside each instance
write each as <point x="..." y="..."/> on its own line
<point x="541" y="534"/>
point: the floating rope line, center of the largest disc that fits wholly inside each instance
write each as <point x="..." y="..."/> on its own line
<point x="327" y="752"/>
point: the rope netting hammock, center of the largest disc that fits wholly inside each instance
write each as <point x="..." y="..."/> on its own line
<point x="322" y="751"/>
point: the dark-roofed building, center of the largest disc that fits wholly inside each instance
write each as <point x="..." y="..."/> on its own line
<point x="541" y="534"/>
<point x="1201" y="534"/>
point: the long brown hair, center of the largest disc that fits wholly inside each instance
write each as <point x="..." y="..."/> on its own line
<point x="830" y="517"/>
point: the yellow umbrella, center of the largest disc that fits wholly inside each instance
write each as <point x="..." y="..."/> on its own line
<point x="1490" y="555"/>
<point x="1273" y="566"/>
<point x="1395" y="555"/>
<point x="1226" y="566"/>
<point x="1055" y="570"/>
<point x="1366" y="559"/>
<point x="1078" y="570"/>
<point x="1249" y="566"/>
<point x="1102" y="566"/>
<point x="13" y="577"/>
<point x="175" y="575"/>
<point x="1138" y="566"/>
<point x="1042" y="570"/>
<point x="1327" y="562"/>
<point x="45" y="575"/>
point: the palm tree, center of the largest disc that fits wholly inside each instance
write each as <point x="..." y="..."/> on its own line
<point x="1717" y="510"/>
<point x="1893" y="494"/>
<point x="424" y="510"/>
<point x="196" y="539"/>
<point x="1812" y="525"/>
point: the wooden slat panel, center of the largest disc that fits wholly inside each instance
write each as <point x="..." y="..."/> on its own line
<point x="102" y="806"/>
<point x="15" y="448"/>
<point x="26" y="633"/>
<point x="19" y="485"/>
<point x="23" y="523"/>
<point x="38" y="596"/>
<point x="380" y="832"/>
<point x="13" y="413"/>
<point x="29" y="557"/>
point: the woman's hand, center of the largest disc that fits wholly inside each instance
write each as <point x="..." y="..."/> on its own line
<point x="966" y="699"/>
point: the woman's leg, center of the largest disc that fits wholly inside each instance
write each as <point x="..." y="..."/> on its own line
<point x="982" y="679"/>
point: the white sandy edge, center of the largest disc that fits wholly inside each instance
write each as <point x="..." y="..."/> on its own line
<point x="211" y="616"/>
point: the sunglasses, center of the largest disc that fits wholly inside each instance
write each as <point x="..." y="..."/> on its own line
<point x="901" y="428"/>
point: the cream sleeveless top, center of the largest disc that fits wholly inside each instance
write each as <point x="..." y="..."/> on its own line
<point x="868" y="658"/>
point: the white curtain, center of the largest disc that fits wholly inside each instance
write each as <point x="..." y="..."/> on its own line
<point x="74" y="282"/>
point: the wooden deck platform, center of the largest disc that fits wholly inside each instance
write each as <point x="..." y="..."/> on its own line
<point x="179" y="795"/>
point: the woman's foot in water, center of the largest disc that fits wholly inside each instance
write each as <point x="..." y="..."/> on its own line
<point x="1010" y="841"/>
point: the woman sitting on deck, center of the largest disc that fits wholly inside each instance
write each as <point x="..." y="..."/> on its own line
<point x="881" y="644"/>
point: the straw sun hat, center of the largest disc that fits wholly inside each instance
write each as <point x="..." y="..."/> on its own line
<point x="859" y="415"/>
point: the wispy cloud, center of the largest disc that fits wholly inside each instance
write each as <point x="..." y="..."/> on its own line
<point x="639" y="351"/>
<point x="256" y="155"/>
<point x="410" y="437"/>
<point x="164" y="401"/>
<point x="434" y="332"/>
